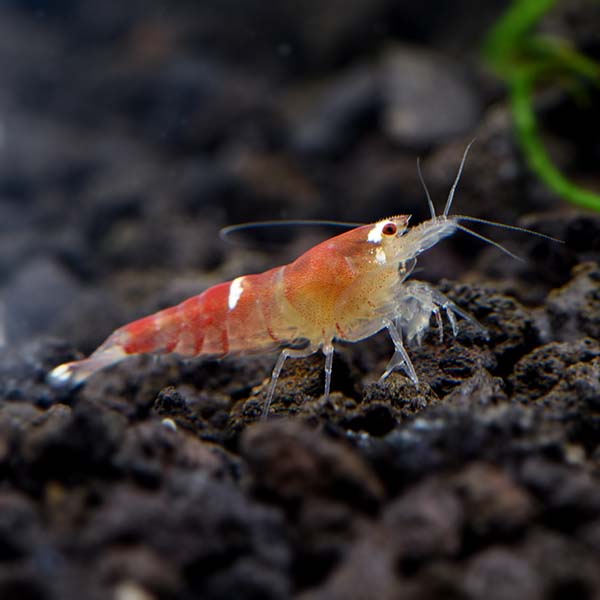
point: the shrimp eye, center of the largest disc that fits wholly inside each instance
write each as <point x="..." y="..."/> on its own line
<point x="389" y="229"/>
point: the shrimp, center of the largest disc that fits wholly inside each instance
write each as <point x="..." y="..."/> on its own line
<point x="347" y="288"/>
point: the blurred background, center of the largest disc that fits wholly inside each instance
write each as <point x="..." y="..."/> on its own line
<point x="131" y="132"/>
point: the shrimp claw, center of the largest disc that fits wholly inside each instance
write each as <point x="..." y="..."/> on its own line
<point x="417" y="304"/>
<point x="419" y="301"/>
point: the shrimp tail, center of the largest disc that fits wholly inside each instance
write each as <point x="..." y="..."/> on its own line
<point x="75" y="373"/>
<point x="197" y="326"/>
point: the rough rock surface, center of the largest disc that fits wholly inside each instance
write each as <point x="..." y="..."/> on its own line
<point x="129" y="134"/>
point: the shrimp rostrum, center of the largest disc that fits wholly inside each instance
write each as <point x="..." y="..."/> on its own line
<point x="347" y="288"/>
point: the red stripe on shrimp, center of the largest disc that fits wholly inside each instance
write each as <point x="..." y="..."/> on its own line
<point x="213" y="319"/>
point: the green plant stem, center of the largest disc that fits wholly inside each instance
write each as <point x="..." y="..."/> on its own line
<point x="506" y="39"/>
<point x="525" y="60"/>
<point x="521" y="96"/>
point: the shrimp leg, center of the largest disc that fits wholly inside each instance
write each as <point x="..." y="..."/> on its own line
<point x="285" y="354"/>
<point x="328" y="352"/>
<point x="400" y="357"/>
<point x="451" y="309"/>
<point x="419" y="301"/>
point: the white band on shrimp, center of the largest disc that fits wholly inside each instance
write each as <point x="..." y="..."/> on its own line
<point x="376" y="234"/>
<point x="235" y="292"/>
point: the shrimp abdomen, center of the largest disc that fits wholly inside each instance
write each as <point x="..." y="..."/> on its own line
<point x="236" y="317"/>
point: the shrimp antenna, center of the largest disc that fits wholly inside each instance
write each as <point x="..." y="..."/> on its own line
<point x="509" y="227"/>
<point x="460" y="170"/>
<point x="490" y="241"/>
<point x="429" y="200"/>
<point x="225" y="232"/>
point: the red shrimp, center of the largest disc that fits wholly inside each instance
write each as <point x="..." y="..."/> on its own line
<point x="347" y="288"/>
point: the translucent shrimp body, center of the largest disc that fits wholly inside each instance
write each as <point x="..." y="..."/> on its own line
<point x="348" y="288"/>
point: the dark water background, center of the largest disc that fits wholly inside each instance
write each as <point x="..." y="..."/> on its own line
<point x="130" y="133"/>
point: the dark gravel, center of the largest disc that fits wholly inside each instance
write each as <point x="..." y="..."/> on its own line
<point x="129" y="134"/>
